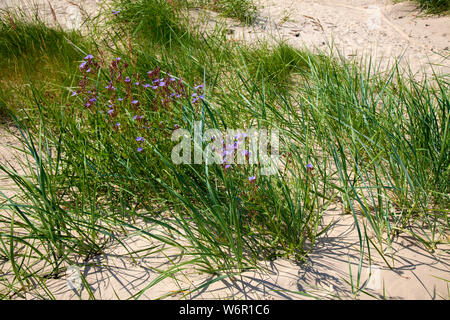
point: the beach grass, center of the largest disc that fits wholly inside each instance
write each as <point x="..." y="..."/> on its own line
<point x="96" y="152"/>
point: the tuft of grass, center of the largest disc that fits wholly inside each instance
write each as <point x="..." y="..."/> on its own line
<point x="28" y="44"/>
<point x="435" y="6"/>
<point x="243" y="10"/>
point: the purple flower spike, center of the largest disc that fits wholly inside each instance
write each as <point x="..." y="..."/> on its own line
<point x="252" y="178"/>
<point x="82" y="65"/>
<point x="89" y="57"/>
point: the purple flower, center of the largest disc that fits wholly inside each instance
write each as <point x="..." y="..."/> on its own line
<point x="139" y="139"/>
<point x="135" y="117"/>
<point x="89" y="57"/>
<point x="176" y="126"/>
<point x="119" y="99"/>
<point x="118" y="58"/>
<point x="110" y="111"/>
<point x="74" y="93"/>
<point x="245" y="152"/>
<point x="134" y="102"/>
<point x="309" y="166"/>
<point x="88" y="70"/>
<point x="127" y="79"/>
<point x="162" y="83"/>
<point x="178" y="96"/>
<point x="155" y="87"/>
<point x="146" y="85"/>
<point x="194" y="94"/>
<point x="198" y="87"/>
<point x="116" y="12"/>
<point x="172" y="79"/>
<point x="227" y="166"/>
<point x="140" y="117"/>
<point x="118" y="124"/>
<point x="139" y="149"/>
<point x="156" y="80"/>
<point x="137" y="83"/>
<point x="149" y="72"/>
<point x="82" y="65"/>
<point x="252" y="178"/>
<point x="110" y="86"/>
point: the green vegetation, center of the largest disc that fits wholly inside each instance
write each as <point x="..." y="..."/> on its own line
<point x="435" y="6"/>
<point x="98" y="149"/>
<point x="32" y="52"/>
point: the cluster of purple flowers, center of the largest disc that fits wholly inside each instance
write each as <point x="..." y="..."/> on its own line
<point x="153" y="91"/>
<point x="198" y="95"/>
<point x="87" y="67"/>
<point x="229" y="150"/>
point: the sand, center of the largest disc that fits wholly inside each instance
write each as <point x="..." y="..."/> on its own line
<point x="356" y="27"/>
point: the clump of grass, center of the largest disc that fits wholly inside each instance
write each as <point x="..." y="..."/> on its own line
<point x="274" y="64"/>
<point x="435" y="6"/>
<point x="157" y="19"/>
<point x="28" y="44"/>
<point x="243" y="10"/>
